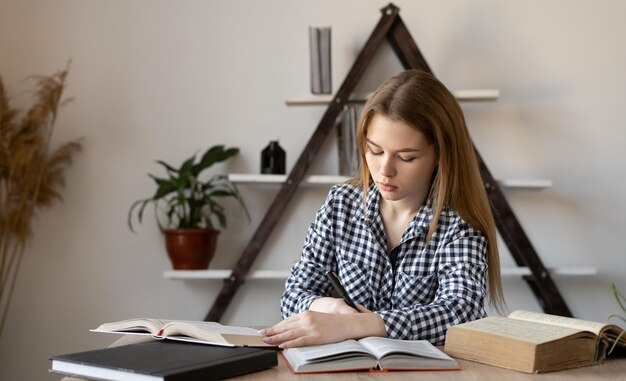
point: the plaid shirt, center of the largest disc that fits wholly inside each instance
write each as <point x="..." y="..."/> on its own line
<point x="418" y="289"/>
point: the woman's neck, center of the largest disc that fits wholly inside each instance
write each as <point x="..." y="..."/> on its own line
<point x="396" y="217"/>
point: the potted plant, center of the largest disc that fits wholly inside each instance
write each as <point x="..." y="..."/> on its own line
<point x="191" y="208"/>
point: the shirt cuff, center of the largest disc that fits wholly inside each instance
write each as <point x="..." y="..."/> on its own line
<point x="305" y="302"/>
<point x="397" y="324"/>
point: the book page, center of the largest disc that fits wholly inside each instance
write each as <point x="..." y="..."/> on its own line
<point x="583" y="325"/>
<point x="149" y="326"/>
<point x="381" y="347"/>
<point x="212" y="332"/>
<point x="520" y="329"/>
<point x="326" y="352"/>
<point x="187" y="330"/>
<point x="215" y="327"/>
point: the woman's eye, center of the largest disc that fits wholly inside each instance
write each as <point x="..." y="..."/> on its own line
<point x="375" y="153"/>
<point x="407" y="159"/>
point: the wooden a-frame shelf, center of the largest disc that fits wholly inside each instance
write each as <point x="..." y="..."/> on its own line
<point x="391" y="28"/>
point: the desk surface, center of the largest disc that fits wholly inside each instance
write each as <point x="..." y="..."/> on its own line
<point x="611" y="369"/>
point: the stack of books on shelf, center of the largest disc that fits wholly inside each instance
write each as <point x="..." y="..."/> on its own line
<point x="319" y="49"/>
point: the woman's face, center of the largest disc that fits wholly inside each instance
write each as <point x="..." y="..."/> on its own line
<point x="400" y="160"/>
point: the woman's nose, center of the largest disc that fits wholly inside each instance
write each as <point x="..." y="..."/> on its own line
<point x="387" y="167"/>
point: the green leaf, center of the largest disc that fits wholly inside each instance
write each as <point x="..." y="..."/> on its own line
<point x="167" y="166"/>
<point x="159" y="181"/>
<point x="214" y="155"/>
<point x="228" y="153"/>
<point x="163" y="190"/>
<point x="618" y="296"/>
<point x="131" y="212"/>
<point x="210" y="157"/>
<point x="185" y="168"/>
<point x="221" y="217"/>
<point x="615" y="342"/>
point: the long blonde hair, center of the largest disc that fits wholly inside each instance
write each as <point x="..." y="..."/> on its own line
<point x="423" y="102"/>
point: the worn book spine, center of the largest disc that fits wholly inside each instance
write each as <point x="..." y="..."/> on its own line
<point x="314" y="60"/>
<point x="325" y="60"/>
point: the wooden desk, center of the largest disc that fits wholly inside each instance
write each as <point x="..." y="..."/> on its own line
<point x="612" y="369"/>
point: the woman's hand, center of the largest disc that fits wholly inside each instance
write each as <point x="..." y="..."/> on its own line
<point x="314" y="327"/>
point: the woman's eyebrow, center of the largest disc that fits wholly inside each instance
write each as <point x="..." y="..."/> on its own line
<point x="400" y="150"/>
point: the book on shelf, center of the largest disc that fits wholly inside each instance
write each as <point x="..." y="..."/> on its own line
<point x="533" y="342"/>
<point x="201" y="332"/>
<point x="325" y="60"/>
<point x="320" y="60"/>
<point x="347" y="147"/>
<point x="370" y="353"/>
<point x="163" y="360"/>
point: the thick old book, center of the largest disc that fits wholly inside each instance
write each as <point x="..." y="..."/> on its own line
<point x="370" y="353"/>
<point x="164" y="360"/>
<point x="201" y="332"/>
<point x="533" y="342"/>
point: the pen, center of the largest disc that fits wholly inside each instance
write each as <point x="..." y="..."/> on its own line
<point x="334" y="280"/>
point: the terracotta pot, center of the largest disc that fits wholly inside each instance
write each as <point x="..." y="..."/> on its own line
<point x="190" y="249"/>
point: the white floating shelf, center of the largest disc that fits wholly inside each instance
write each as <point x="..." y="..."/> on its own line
<point x="223" y="274"/>
<point x="313" y="180"/>
<point x="460" y="95"/>
<point x="317" y="180"/>
<point x="282" y="275"/>
<point x="525" y="184"/>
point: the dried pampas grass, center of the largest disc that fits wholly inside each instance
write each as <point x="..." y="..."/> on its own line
<point x="31" y="174"/>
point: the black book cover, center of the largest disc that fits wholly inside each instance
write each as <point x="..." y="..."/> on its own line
<point x="165" y="360"/>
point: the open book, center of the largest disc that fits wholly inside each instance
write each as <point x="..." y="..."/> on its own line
<point x="370" y="353"/>
<point x="193" y="331"/>
<point x="533" y="342"/>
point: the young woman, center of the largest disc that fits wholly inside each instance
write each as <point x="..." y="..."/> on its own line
<point x="411" y="237"/>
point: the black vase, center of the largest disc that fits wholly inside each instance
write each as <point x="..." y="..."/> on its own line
<point x="273" y="159"/>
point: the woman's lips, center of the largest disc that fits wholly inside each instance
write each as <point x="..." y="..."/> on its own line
<point x="387" y="187"/>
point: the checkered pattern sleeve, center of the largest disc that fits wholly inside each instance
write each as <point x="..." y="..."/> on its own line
<point x="308" y="281"/>
<point x="458" y="297"/>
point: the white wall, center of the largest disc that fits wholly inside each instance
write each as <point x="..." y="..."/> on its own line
<point x="163" y="79"/>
